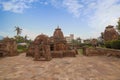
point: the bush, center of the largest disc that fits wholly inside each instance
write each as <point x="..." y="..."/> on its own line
<point x="108" y="44"/>
<point x="115" y="44"/>
<point x="85" y="44"/>
<point x="21" y="48"/>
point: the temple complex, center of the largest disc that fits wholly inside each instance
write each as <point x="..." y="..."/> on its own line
<point x="46" y="48"/>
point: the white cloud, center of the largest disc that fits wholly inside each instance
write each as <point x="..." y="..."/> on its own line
<point x="73" y="6"/>
<point x="4" y="34"/>
<point x="106" y="13"/>
<point x="97" y="13"/>
<point x="16" y="6"/>
<point x="29" y="33"/>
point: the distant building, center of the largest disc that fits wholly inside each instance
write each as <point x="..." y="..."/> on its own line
<point x="78" y="40"/>
<point x="87" y="41"/>
<point x="69" y="38"/>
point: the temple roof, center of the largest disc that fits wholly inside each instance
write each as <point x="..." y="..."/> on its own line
<point x="41" y="38"/>
<point x="58" y="33"/>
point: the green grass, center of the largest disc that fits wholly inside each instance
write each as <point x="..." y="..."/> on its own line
<point x="21" y="49"/>
<point x="80" y="51"/>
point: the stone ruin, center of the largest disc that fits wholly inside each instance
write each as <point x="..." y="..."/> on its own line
<point x="94" y="42"/>
<point x="46" y="48"/>
<point x="8" y="47"/>
<point x="110" y="33"/>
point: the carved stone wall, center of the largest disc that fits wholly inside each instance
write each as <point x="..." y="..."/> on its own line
<point x="59" y="40"/>
<point x="44" y="47"/>
<point x="8" y="47"/>
<point x="101" y="51"/>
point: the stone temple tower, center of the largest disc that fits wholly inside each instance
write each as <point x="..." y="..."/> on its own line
<point x="110" y="33"/>
<point x="59" y="40"/>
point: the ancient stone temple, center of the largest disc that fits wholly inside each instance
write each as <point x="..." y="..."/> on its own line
<point x="8" y="47"/>
<point x="110" y="33"/>
<point x="94" y="42"/>
<point x="59" y="40"/>
<point x="44" y="47"/>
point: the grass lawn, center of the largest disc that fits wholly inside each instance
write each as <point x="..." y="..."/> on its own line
<point x="80" y="51"/>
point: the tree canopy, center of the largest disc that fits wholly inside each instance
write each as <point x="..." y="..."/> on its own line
<point x="118" y="26"/>
<point x="18" y="30"/>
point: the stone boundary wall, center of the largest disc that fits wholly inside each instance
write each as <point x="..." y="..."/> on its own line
<point x="101" y="51"/>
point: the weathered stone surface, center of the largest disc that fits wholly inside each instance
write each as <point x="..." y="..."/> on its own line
<point x="101" y="51"/>
<point x="60" y="42"/>
<point x="94" y="42"/>
<point x="8" y="47"/>
<point x="68" y="68"/>
<point x="55" y="46"/>
<point x="42" y="48"/>
<point x="31" y="50"/>
<point x="58" y="34"/>
<point x="57" y="54"/>
<point x="110" y="33"/>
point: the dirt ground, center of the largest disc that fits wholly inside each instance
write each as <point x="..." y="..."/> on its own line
<point x="68" y="68"/>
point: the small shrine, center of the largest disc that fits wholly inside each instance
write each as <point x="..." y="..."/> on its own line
<point x="110" y="33"/>
<point x="46" y="48"/>
<point x="8" y="47"/>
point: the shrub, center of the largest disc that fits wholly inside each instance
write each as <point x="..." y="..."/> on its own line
<point x="115" y="44"/>
<point x="108" y="44"/>
<point x="85" y="44"/>
<point x="21" y="48"/>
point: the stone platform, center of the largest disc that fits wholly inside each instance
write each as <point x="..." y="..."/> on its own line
<point x="68" y="68"/>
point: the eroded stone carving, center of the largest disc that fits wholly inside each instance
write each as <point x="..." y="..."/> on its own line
<point x="110" y="34"/>
<point x="8" y="47"/>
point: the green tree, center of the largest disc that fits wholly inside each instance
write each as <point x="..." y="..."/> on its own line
<point x="25" y="38"/>
<point x="118" y="26"/>
<point x="18" y="30"/>
<point x="19" y="39"/>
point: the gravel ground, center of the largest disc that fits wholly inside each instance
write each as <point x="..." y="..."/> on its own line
<point x="68" y="68"/>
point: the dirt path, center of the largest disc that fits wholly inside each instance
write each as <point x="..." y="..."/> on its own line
<point x="68" y="68"/>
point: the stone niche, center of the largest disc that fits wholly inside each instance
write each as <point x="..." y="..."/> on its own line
<point x="8" y="47"/>
<point x="110" y="33"/>
<point x="46" y="48"/>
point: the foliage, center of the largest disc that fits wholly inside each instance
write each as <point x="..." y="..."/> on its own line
<point x="21" y="48"/>
<point x="115" y="44"/>
<point x="118" y="26"/>
<point x="85" y="44"/>
<point x="75" y="42"/>
<point x="18" y="30"/>
<point x="119" y="37"/>
<point x="21" y="39"/>
<point x="108" y="44"/>
<point x="80" y="51"/>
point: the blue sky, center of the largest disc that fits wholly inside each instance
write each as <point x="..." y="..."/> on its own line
<point x="83" y="18"/>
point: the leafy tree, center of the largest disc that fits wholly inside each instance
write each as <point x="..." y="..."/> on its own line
<point x="19" y="39"/>
<point x="118" y="26"/>
<point x="18" y="30"/>
<point x="25" y="38"/>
